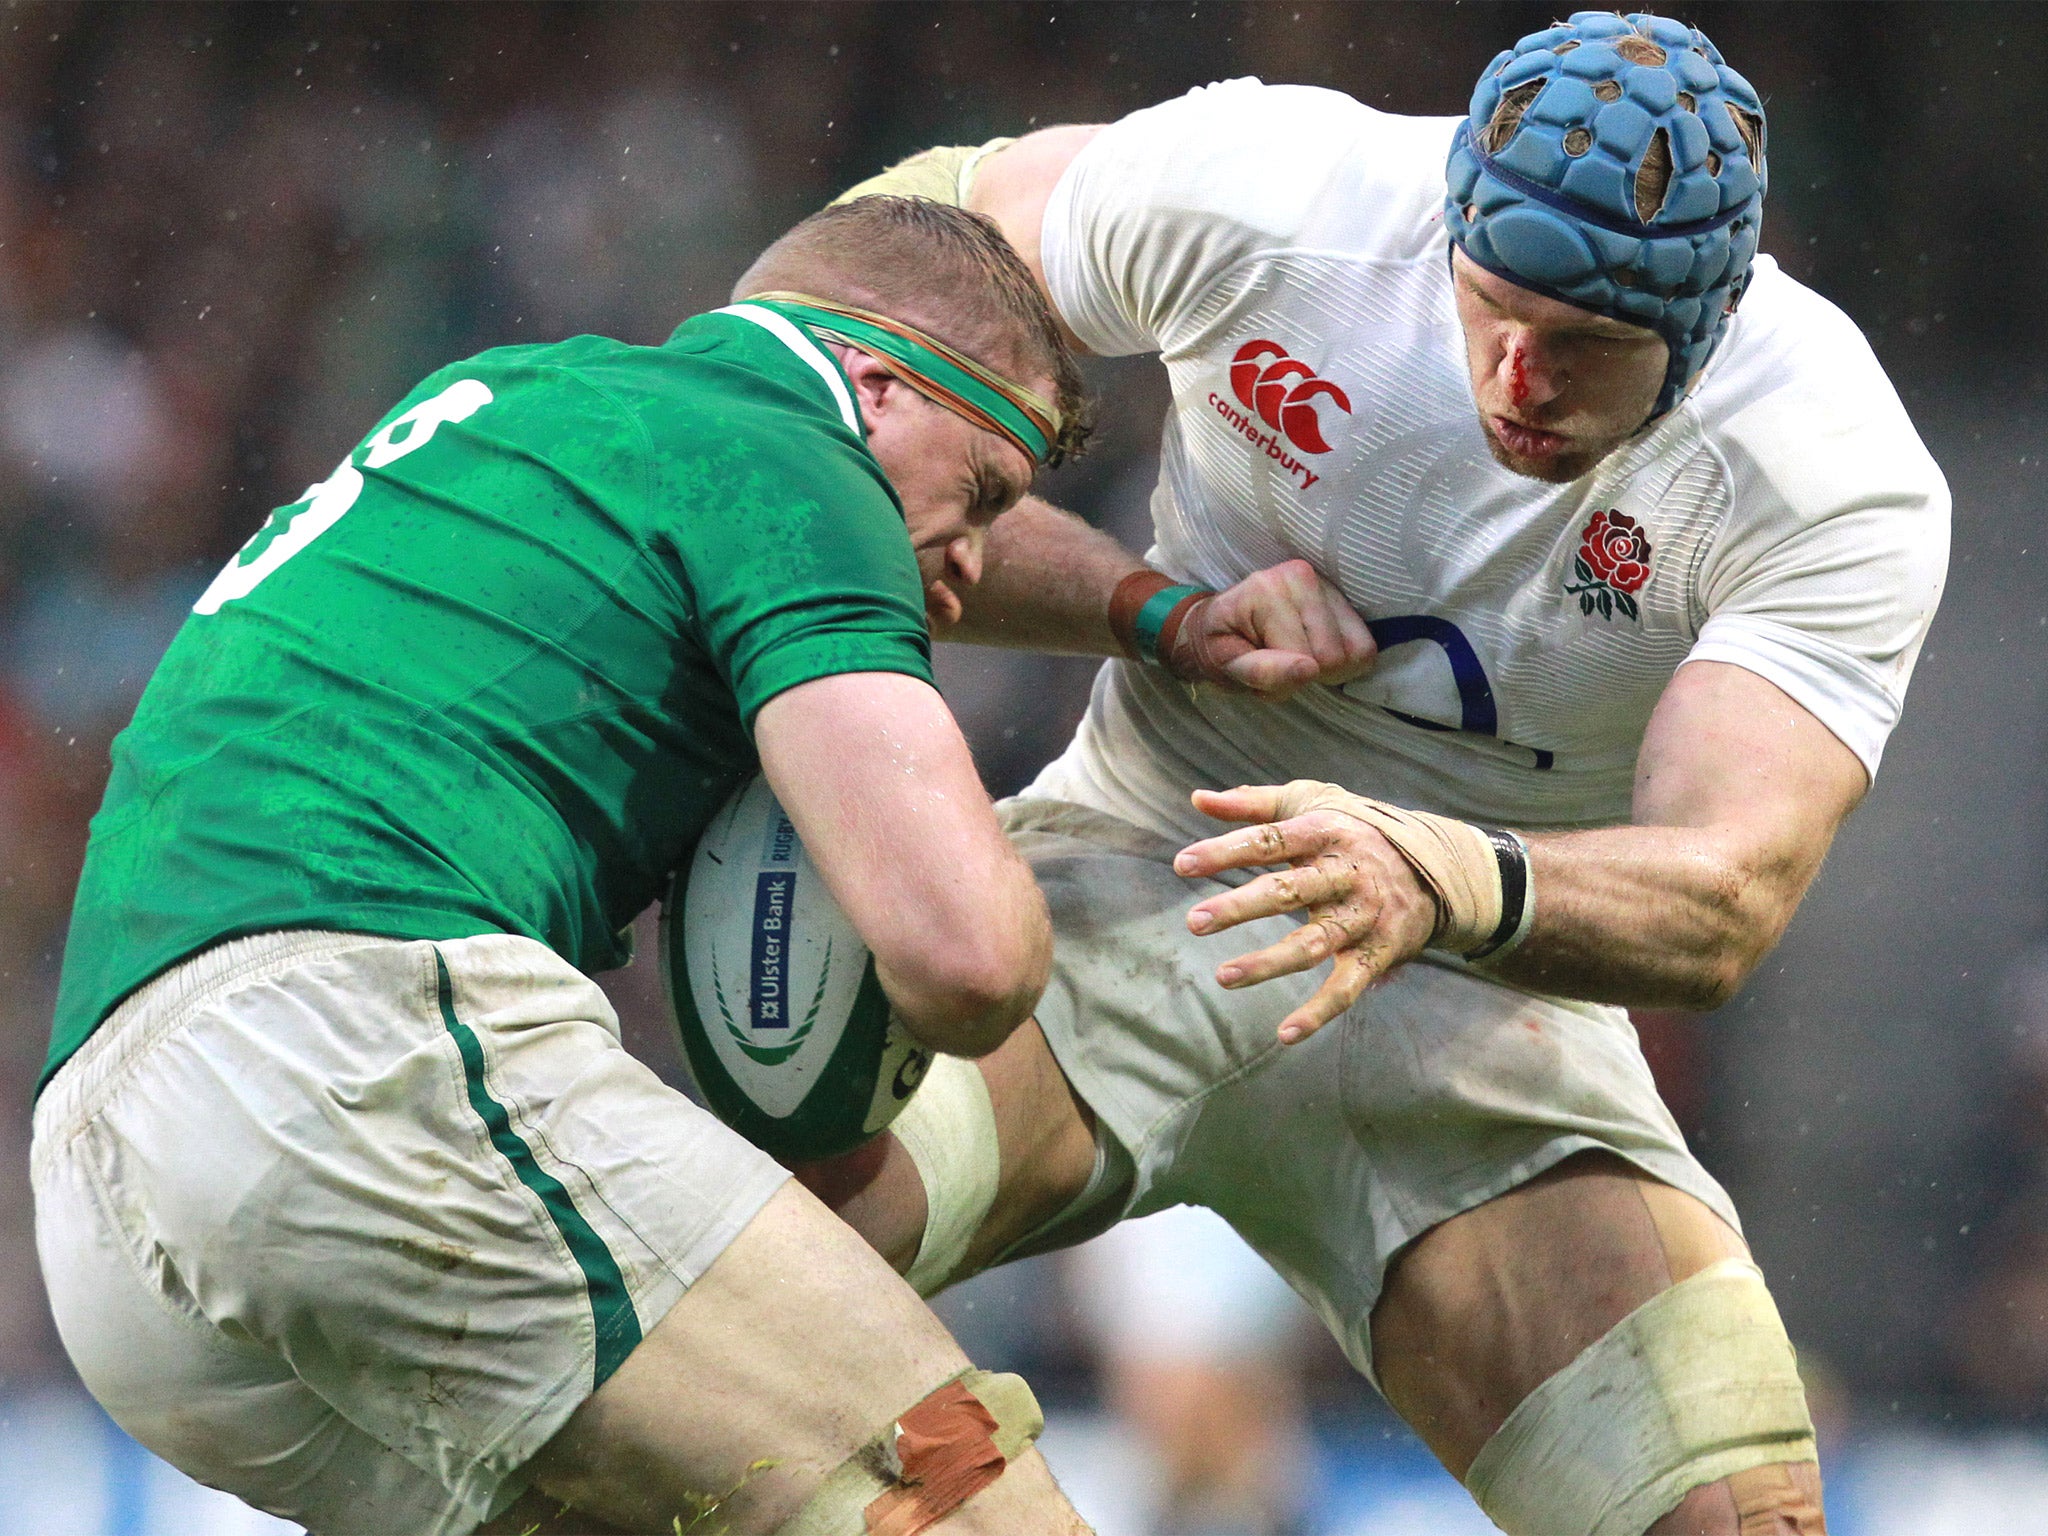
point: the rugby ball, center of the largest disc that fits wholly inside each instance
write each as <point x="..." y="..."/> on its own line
<point x="784" y="1027"/>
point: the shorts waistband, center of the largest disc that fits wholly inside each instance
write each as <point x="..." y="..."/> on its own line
<point x="164" y="1004"/>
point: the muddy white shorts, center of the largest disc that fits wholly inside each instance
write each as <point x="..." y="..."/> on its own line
<point x="349" y="1226"/>
<point x="1437" y="1091"/>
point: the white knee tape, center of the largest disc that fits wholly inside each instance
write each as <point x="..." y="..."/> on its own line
<point x="949" y="1130"/>
<point x="1695" y="1385"/>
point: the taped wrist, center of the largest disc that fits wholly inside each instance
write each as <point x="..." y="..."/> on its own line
<point x="1147" y="612"/>
<point x="944" y="174"/>
<point x="927" y="1462"/>
<point x="1478" y="876"/>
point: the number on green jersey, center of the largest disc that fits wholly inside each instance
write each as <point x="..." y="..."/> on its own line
<point x="290" y="529"/>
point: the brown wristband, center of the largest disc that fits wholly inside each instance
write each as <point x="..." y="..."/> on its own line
<point x="1146" y="612"/>
<point x="1129" y="596"/>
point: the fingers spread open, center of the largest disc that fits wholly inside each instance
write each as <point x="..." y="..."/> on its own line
<point x="1269" y="842"/>
<point x="1286" y="890"/>
<point x="1323" y="935"/>
<point x="1247" y="802"/>
<point x="1355" y="970"/>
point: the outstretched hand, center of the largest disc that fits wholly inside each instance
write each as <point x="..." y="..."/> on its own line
<point x="1365" y="908"/>
<point x="1273" y="634"/>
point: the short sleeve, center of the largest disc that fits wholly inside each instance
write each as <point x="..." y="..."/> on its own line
<point x="1827" y="580"/>
<point x="794" y="558"/>
<point x="1161" y="205"/>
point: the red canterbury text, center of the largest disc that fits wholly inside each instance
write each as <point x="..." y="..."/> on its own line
<point x="1280" y="391"/>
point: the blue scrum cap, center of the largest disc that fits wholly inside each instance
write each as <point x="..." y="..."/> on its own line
<point x="1617" y="164"/>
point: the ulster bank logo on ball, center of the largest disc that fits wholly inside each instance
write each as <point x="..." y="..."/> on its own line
<point x="783" y="1025"/>
<point x="767" y="1028"/>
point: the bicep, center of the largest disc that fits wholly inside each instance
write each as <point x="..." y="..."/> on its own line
<point x="1729" y="752"/>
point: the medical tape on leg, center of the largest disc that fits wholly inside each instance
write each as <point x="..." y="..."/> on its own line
<point x="1697" y="1384"/>
<point x="949" y="1130"/>
<point x="944" y="173"/>
<point x="930" y="1460"/>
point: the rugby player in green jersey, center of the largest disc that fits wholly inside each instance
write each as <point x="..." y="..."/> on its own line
<point x="349" y="1200"/>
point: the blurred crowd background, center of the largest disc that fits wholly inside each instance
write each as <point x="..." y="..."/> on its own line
<point x="232" y="235"/>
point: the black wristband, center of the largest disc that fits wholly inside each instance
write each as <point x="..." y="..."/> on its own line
<point x="1512" y="855"/>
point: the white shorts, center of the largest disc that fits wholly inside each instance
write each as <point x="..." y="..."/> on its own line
<point x="350" y="1226"/>
<point x="1437" y="1091"/>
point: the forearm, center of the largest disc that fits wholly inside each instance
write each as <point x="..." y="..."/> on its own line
<point x="1739" y="792"/>
<point x="872" y="770"/>
<point x="1045" y="585"/>
<point x="1652" y="917"/>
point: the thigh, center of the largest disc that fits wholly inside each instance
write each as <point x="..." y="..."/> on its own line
<point x="1133" y="1012"/>
<point x="1482" y="1309"/>
<point x="793" y="1350"/>
<point x="1486" y="1307"/>
<point x="1047" y="1157"/>
<point x="1131" y="1030"/>
<point x="1434" y="1094"/>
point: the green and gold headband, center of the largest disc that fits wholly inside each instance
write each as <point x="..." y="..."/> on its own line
<point x="930" y="367"/>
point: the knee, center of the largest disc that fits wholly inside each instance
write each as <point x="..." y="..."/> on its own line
<point x="1690" y="1409"/>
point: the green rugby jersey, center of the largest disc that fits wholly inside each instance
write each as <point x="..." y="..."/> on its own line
<point x="497" y="672"/>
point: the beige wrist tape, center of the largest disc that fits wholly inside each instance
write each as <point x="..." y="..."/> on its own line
<point x="1697" y="1384"/>
<point x="1461" y="866"/>
<point x="944" y="174"/>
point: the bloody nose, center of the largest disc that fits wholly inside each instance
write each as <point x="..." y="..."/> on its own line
<point x="1518" y="377"/>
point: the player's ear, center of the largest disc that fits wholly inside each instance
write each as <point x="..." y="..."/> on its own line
<point x="875" y="389"/>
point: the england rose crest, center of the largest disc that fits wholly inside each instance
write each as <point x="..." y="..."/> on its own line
<point x="1612" y="564"/>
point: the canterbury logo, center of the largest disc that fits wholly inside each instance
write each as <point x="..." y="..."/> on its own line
<point x="1282" y="392"/>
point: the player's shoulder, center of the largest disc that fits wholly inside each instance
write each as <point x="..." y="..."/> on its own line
<point x="1247" y="105"/>
<point x="1804" y="412"/>
<point x="723" y="383"/>
<point x="738" y="404"/>
<point x="1298" y="163"/>
<point x="539" y="381"/>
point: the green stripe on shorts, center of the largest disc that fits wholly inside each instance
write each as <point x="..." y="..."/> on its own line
<point x="611" y="1308"/>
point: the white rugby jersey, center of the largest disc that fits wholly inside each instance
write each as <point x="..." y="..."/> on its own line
<point x="1283" y="249"/>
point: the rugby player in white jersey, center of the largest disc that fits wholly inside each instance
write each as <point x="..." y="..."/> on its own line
<point x="1647" y="546"/>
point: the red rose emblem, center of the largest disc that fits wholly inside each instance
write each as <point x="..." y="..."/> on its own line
<point x="1615" y="548"/>
<point x="1613" y="563"/>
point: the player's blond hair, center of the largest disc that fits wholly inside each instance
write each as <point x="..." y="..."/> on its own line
<point x="942" y="269"/>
